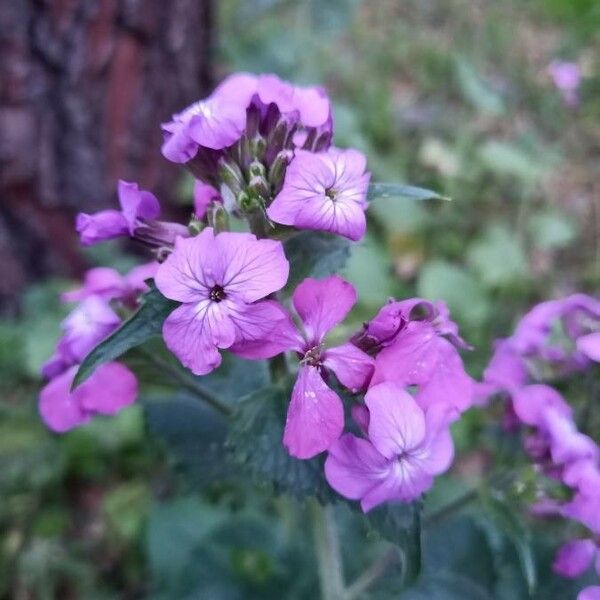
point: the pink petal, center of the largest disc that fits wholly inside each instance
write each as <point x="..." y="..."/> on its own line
<point x="111" y="388"/>
<point x="397" y="424"/>
<point x="100" y="281"/>
<point x="449" y="384"/>
<point x="590" y="593"/>
<point x="574" y="558"/>
<point x="194" y="331"/>
<point x="404" y="483"/>
<point x="567" y="444"/>
<point x="238" y="88"/>
<point x="590" y="345"/>
<point x="360" y="415"/>
<point x="136" y="278"/>
<point x="353" y="466"/>
<point x="188" y="273"/>
<point x="313" y="105"/>
<point x="530" y="403"/>
<point x="263" y="330"/>
<point x="352" y="366"/>
<point x="58" y="407"/>
<point x="315" y="416"/>
<point x="101" y="226"/>
<point x="216" y="122"/>
<point x="136" y="204"/>
<point x="584" y="475"/>
<point x="178" y="146"/>
<point x="411" y="359"/>
<point x="251" y="268"/>
<point x="323" y="304"/>
<point x="437" y="451"/>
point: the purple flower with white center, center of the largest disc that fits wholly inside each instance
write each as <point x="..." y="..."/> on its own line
<point x="220" y="281"/>
<point x="109" y="284"/>
<point x="575" y="557"/>
<point x="406" y="448"/>
<point x="315" y="416"/>
<point x="137" y="206"/>
<point x="324" y="191"/>
<point x="108" y="390"/>
<point x="86" y="326"/>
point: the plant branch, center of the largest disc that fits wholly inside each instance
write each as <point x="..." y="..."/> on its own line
<point x="372" y="573"/>
<point x="328" y="553"/>
<point x="187" y="381"/>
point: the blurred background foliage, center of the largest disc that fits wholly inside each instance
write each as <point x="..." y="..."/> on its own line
<point x="451" y="95"/>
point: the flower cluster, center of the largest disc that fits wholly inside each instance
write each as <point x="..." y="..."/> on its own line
<point x="260" y="150"/>
<point x="555" y="339"/>
<point x="113" y="386"/>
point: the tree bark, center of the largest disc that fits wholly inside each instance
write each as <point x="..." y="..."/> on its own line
<point x="84" y="86"/>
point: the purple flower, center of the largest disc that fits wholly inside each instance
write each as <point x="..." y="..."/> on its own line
<point x="213" y="123"/>
<point x="574" y="558"/>
<point x="589" y="345"/>
<point x="406" y="448"/>
<point x="324" y="191"/>
<point x="315" y="416"/>
<point x="590" y="593"/>
<point x="220" y="279"/>
<point x="109" y="389"/>
<point x="109" y="284"/>
<point x="420" y="356"/>
<point x="567" y="79"/>
<point x="137" y="206"/>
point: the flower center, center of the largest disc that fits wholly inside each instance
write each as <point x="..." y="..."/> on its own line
<point x="312" y="356"/>
<point x="331" y="193"/>
<point x="217" y="294"/>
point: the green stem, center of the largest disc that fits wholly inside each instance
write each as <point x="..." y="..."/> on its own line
<point x="445" y="511"/>
<point x="372" y="574"/>
<point x="187" y="381"/>
<point x="328" y="553"/>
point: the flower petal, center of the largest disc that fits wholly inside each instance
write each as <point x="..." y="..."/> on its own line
<point x="354" y="466"/>
<point x="252" y="268"/>
<point x="397" y="423"/>
<point x="136" y="204"/>
<point x="263" y="330"/>
<point x="352" y="366"/>
<point x="188" y="273"/>
<point x="574" y="558"/>
<point x="101" y="226"/>
<point x="111" y="388"/>
<point x="590" y="345"/>
<point x="315" y="416"/>
<point x="194" y="331"/>
<point x="323" y="304"/>
<point x="530" y="403"/>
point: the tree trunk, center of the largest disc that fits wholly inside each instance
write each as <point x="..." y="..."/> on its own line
<point x="84" y="86"/>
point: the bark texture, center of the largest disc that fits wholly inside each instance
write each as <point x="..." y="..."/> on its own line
<point x="84" y="85"/>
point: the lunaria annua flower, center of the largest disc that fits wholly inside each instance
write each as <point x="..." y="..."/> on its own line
<point x="406" y="447"/>
<point x="221" y="281"/>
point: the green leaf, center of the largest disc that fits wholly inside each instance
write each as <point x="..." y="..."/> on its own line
<point x="477" y="90"/>
<point x="315" y="254"/>
<point x="441" y="280"/>
<point x="508" y="523"/>
<point x="255" y="440"/>
<point x="401" y="525"/>
<point x="447" y="586"/>
<point x="552" y="230"/>
<point x="498" y="257"/>
<point x="398" y="190"/>
<point x="143" y="325"/>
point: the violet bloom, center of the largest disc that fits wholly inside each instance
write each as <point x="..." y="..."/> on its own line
<point x="406" y="449"/>
<point x="220" y="281"/>
<point x="315" y="416"/>
<point x="567" y="79"/>
<point x="109" y="284"/>
<point x="419" y="355"/>
<point x="590" y="593"/>
<point x="109" y="389"/>
<point x="324" y="191"/>
<point x="575" y="558"/>
<point x="136" y="206"/>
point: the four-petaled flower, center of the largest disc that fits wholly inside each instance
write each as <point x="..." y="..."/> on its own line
<point x="325" y="191"/>
<point x="221" y="281"/>
<point x="405" y="449"/>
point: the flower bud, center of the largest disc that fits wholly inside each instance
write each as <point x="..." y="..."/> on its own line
<point x="218" y="217"/>
<point x="231" y="175"/>
<point x="277" y="170"/>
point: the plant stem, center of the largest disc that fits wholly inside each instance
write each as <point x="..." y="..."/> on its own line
<point x="374" y="572"/>
<point x="327" y="549"/>
<point x="446" y="510"/>
<point x="187" y="381"/>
